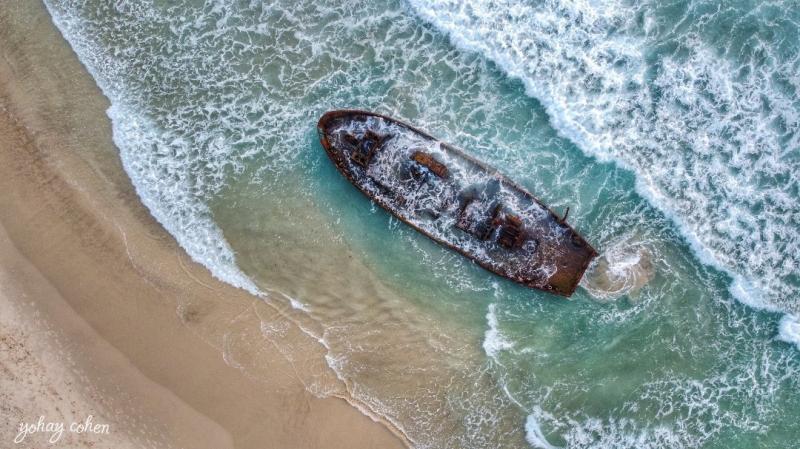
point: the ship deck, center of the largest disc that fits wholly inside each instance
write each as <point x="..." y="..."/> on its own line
<point x="456" y="200"/>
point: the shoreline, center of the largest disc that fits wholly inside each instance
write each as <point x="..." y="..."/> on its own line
<point x="52" y="359"/>
<point x="120" y="282"/>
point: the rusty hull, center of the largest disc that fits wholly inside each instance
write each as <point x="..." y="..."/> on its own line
<point x="532" y="245"/>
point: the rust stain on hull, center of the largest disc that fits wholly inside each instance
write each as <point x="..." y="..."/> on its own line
<point x="456" y="200"/>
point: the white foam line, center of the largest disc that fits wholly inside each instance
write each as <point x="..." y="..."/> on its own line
<point x="183" y="215"/>
<point x="534" y="434"/>
<point x="494" y="341"/>
<point x="789" y="330"/>
<point x="456" y="27"/>
<point x="294" y="302"/>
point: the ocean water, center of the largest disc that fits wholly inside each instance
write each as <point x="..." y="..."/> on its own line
<point x="670" y="129"/>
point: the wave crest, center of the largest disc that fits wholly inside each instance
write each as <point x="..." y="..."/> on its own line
<point x="710" y="128"/>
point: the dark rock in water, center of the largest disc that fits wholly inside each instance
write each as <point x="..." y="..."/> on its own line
<point x="456" y="200"/>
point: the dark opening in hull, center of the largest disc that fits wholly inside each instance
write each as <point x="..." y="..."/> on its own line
<point x="456" y="200"/>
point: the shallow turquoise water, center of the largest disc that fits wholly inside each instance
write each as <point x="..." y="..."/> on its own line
<point x="669" y="129"/>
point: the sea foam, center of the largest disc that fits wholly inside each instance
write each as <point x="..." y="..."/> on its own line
<point x="625" y="267"/>
<point x="534" y="435"/>
<point x="156" y="159"/>
<point x="709" y="137"/>
<point x="789" y="330"/>
<point x="493" y="340"/>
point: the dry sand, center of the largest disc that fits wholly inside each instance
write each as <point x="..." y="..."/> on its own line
<point x="102" y="313"/>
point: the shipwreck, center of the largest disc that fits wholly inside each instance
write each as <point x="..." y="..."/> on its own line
<point x="456" y="200"/>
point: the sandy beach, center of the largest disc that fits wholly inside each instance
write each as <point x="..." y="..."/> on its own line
<point x="102" y="312"/>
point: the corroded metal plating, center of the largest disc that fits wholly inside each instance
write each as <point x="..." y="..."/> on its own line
<point x="456" y="200"/>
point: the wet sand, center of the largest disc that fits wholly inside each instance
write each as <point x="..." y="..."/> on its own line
<point x="110" y="317"/>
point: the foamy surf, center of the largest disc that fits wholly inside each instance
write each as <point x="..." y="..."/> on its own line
<point x="704" y="146"/>
<point x="493" y="340"/>
<point x="155" y="160"/>
<point x="533" y="432"/>
<point x="789" y="330"/>
<point x="181" y="212"/>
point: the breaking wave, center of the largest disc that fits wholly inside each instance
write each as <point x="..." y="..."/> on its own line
<point x="709" y="125"/>
<point x="156" y="158"/>
<point x="533" y="432"/>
